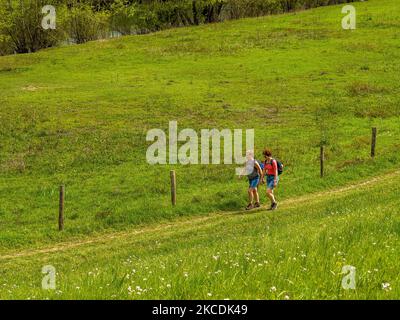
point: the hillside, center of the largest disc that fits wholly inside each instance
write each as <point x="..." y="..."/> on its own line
<point x="78" y="115"/>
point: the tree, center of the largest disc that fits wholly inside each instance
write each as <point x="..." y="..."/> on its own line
<point x="20" y="25"/>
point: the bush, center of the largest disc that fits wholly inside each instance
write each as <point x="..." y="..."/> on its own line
<point x="5" y="45"/>
<point x="20" y="26"/>
<point x="129" y="18"/>
<point x="82" y="24"/>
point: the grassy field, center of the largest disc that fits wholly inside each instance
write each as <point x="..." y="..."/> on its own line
<point x="79" y="115"/>
<point x="296" y="253"/>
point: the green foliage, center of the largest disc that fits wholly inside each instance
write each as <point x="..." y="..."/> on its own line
<point x="85" y="20"/>
<point x="83" y="24"/>
<point x="132" y="18"/>
<point x="5" y="45"/>
<point x="20" y="26"/>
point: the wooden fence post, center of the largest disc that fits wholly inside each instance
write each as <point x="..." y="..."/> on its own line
<point x="173" y="187"/>
<point x="61" y="209"/>
<point x="322" y="159"/>
<point x="373" y="142"/>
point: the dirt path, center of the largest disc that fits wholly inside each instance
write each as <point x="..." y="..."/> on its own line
<point x="192" y="222"/>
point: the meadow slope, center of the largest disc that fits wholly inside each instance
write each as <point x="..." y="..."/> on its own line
<point x="78" y="115"/>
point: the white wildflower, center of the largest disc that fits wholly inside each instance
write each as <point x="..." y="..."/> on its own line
<point x="386" y="286"/>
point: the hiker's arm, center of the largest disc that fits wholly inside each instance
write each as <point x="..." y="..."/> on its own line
<point x="260" y="172"/>
<point x="263" y="175"/>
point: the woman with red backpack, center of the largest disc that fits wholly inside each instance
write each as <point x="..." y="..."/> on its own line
<point x="272" y="169"/>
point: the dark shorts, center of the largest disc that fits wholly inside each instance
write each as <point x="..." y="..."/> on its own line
<point x="270" y="182"/>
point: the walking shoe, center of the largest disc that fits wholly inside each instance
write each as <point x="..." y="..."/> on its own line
<point x="257" y="205"/>
<point x="274" y="206"/>
<point x="249" y="206"/>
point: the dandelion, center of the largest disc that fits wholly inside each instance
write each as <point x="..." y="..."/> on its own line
<point x="272" y="289"/>
<point x="185" y="274"/>
<point x="209" y="294"/>
<point x="168" y="285"/>
<point x="287" y="297"/>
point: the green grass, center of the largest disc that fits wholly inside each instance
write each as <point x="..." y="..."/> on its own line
<point x="79" y="115"/>
<point x="295" y="253"/>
